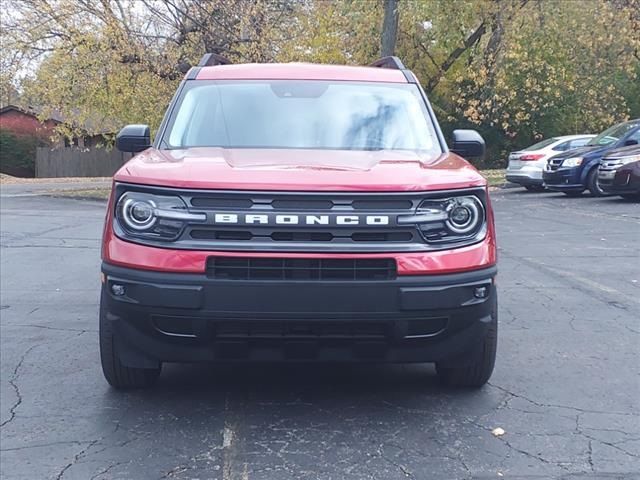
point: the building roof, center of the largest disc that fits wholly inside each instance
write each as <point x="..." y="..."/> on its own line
<point x="90" y="127"/>
<point x="300" y="71"/>
<point x="32" y="112"/>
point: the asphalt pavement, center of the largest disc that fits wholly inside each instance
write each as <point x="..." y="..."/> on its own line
<point x="566" y="389"/>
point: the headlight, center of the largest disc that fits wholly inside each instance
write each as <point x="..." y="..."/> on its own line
<point x="459" y="219"/>
<point x="632" y="158"/>
<point x="153" y="216"/>
<point x="465" y="214"/>
<point x="572" y="162"/>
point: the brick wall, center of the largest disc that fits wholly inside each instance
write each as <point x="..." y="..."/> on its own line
<point x="21" y="124"/>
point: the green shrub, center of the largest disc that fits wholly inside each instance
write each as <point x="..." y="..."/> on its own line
<point x="18" y="153"/>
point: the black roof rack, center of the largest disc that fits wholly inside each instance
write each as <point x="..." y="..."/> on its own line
<point x="389" y="62"/>
<point x="213" y="59"/>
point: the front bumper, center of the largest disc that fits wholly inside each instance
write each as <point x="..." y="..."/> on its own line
<point x="179" y="317"/>
<point x="619" y="182"/>
<point x="563" y="180"/>
<point x="525" y="175"/>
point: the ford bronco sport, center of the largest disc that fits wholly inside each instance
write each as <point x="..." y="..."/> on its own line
<point x="303" y="213"/>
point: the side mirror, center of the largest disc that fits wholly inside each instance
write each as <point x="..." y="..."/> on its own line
<point x="133" y="138"/>
<point x="467" y="144"/>
<point x="630" y="142"/>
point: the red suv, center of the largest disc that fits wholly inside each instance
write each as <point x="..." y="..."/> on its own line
<point x="303" y="213"/>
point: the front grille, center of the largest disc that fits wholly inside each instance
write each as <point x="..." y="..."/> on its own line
<point x="307" y="269"/>
<point x="608" y="165"/>
<point x="291" y="222"/>
<point x="554" y="163"/>
<point x="306" y="234"/>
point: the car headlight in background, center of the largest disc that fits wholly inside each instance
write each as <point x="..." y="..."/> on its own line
<point x="572" y="162"/>
<point x="153" y="216"/>
<point x="454" y="220"/>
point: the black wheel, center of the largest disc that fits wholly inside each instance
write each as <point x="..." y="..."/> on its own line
<point x="118" y="375"/>
<point x="573" y="193"/>
<point x="592" y="184"/>
<point x="534" y="188"/>
<point x="479" y="372"/>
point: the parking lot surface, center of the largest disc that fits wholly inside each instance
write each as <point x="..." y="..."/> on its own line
<point x="566" y="389"/>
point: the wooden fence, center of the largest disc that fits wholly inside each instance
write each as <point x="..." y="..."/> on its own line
<point x="76" y="162"/>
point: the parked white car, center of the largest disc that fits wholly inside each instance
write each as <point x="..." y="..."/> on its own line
<point x="525" y="166"/>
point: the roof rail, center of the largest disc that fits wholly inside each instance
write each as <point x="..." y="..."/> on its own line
<point x="389" y="62"/>
<point x="213" y="59"/>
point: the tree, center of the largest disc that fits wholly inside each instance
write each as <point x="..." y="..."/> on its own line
<point x="516" y="70"/>
<point x="117" y="61"/>
<point x="389" y="28"/>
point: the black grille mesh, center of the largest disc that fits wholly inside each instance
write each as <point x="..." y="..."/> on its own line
<point x="255" y="268"/>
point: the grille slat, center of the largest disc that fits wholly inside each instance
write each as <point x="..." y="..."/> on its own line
<point x="300" y="330"/>
<point x="300" y="203"/>
<point x="257" y="268"/>
<point x="397" y="236"/>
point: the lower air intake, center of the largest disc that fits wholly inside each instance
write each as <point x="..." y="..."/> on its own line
<point x="252" y="268"/>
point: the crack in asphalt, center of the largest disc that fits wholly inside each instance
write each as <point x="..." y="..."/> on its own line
<point x="43" y="445"/>
<point x="585" y="286"/>
<point x="76" y="457"/>
<point x="13" y="382"/>
<point x="531" y="455"/>
<point x="552" y="405"/>
<point x="81" y="331"/>
<point x="107" y="470"/>
<point x="406" y="472"/>
<point x="505" y="404"/>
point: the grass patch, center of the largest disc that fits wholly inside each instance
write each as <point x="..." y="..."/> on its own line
<point x="495" y="177"/>
<point x="83" y="194"/>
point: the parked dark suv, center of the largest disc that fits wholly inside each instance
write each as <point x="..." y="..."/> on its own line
<point x="575" y="171"/>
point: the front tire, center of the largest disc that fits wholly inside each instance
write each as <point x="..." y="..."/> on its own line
<point x="118" y="375"/>
<point x="592" y="184"/>
<point x="479" y="372"/>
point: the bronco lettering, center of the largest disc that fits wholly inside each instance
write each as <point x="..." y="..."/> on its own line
<point x="279" y="219"/>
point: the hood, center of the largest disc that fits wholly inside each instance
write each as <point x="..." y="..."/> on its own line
<point x="299" y="170"/>
<point x="582" y="151"/>
<point x="624" y="151"/>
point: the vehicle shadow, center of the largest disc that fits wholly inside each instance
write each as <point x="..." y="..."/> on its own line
<point x="288" y="377"/>
<point x="333" y="386"/>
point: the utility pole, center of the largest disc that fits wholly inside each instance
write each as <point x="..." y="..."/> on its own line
<point x="389" y="28"/>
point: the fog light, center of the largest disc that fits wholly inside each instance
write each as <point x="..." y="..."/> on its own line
<point x="117" y="290"/>
<point x="481" y="292"/>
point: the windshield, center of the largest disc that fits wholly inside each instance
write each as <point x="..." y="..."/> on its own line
<point x="308" y="114"/>
<point x="540" y="145"/>
<point x="612" y="135"/>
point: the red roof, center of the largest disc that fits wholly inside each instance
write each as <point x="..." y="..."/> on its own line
<point x="300" y="71"/>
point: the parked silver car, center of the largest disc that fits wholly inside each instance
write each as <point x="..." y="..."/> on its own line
<point x="525" y="166"/>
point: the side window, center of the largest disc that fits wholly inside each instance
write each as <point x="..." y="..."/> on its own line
<point x="562" y="147"/>
<point x="580" y="142"/>
<point x="635" y="136"/>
